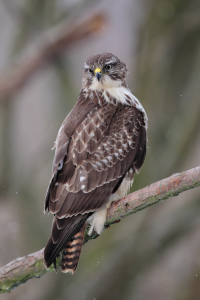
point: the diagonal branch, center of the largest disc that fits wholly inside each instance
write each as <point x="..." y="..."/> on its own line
<point x="20" y="270"/>
<point x="51" y="45"/>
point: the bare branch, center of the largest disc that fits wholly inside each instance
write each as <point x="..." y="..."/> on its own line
<point x="154" y="193"/>
<point x="22" y="269"/>
<point x="53" y="45"/>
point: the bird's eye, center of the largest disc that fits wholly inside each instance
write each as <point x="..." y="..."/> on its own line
<point x="108" y="67"/>
<point x="90" y="71"/>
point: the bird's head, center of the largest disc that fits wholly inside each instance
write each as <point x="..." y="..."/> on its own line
<point x="103" y="71"/>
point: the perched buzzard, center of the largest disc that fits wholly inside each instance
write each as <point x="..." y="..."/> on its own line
<point x="99" y="147"/>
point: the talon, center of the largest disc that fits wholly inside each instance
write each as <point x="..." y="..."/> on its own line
<point x="116" y="221"/>
<point x="107" y="226"/>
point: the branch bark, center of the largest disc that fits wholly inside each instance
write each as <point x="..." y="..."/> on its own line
<point x="53" y="44"/>
<point x="22" y="269"/>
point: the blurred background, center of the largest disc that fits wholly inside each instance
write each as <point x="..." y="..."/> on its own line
<point x="154" y="254"/>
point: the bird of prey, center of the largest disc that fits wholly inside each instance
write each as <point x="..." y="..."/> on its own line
<point x="100" y="146"/>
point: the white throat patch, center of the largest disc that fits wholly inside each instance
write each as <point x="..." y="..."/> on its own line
<point x="115" y="90"/>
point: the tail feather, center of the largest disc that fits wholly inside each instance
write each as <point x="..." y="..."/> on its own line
<point x="60" y="238"/>
<point x="72" y="251"/>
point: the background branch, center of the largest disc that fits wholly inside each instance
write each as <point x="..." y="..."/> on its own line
<point x="20" y="270"/>
<point x="54" y="43"/>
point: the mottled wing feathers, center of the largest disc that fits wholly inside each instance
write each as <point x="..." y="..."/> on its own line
<point x="108" y="142"/>
<point x="141" y="152"/>
<point x="87" y="168"/>
<point x="103" y="164"/>
<point x="83" y="106"/>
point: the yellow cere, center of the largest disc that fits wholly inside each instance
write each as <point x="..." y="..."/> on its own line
<point x="97" y="70"/>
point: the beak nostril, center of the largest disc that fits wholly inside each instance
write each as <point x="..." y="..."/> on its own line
<point x="97" y="70"/>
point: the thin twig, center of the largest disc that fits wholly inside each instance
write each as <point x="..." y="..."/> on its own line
<point x="58" y="40"/>
<point x="20" y="270"/>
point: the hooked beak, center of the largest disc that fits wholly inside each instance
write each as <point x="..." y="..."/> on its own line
<point x="98" y="76"/>
<point x="98" y="73"/>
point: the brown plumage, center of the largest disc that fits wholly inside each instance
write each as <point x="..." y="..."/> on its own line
<point x="99" y="147"/>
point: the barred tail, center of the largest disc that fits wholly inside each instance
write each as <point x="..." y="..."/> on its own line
<point x="72" y="252"/>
